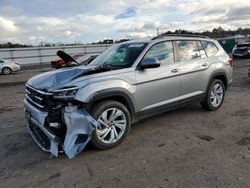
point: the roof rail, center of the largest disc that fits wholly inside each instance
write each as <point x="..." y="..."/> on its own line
<point x="178" y="35"/>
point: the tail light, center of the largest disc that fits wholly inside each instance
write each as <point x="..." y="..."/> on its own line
<point x="230" y="61"/>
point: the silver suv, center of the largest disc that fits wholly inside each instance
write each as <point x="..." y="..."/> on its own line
<point x="67" y="108"/>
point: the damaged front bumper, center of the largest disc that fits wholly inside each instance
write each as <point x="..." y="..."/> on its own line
<point x="79" y="126"/>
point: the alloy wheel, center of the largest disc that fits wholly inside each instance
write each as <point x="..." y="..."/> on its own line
<point x="6" y="71"/>
<point x="216" y="95"/>
<point x="112" y="126"/>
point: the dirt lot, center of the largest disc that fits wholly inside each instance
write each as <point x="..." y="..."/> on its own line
<point x="188" y="147"/>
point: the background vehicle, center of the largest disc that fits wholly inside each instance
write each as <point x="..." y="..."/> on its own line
<point x="241" y="50"/>
<point x="129" y="81"/>
<point x="83" y="60"/>
<point x="7" y="67"/>
<point x="77" y="59"/>
<point x="59" y="63"/>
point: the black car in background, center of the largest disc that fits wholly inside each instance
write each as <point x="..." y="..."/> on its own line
<point x="241" y="50"/>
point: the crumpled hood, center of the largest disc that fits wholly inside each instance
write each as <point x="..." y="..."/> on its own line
<point x="52" y="80"/>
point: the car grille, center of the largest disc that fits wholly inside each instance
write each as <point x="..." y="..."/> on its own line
<point x="240" y="51"/>
<point x="40" y="137"/>
<point x="36" y="97"/>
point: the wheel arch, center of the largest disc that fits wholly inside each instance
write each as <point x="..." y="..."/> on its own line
<point x="7" y="67"/>
<point x="116" y="95"/>
<point x="221" y="76"/>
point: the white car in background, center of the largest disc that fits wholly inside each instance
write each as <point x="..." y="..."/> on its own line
<point x="7" y="67"/>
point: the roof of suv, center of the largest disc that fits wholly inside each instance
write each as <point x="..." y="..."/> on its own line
<point x="178" y="35"/>
<point x="171" y="37"/>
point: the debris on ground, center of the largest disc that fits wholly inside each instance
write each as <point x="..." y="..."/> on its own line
<point x="4" y="109"/>
<point x="244" y="141"/>
<point x="160" y="145"/>
<point x="205" y="137"/>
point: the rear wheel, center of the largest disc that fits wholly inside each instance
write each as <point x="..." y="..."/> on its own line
<point x="215" y="96"/>
<point x="6" y="70"/>
<point x="115" y="122"/>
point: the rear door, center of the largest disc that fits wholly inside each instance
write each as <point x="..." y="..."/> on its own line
<point x="193" y="64"/>
<point x="158" y="86"/>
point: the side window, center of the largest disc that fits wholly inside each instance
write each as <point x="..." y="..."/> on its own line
<point x="1" y="61"/>
<point x="210" y="48"/>
<point x="187" y="50"/>
<point x="162" y="51"/>
<point x="201" y="50"/>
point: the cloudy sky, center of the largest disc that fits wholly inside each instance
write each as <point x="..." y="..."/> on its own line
<point x="34" y="21"/>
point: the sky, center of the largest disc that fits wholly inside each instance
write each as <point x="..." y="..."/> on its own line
<point x="65" y="21"/>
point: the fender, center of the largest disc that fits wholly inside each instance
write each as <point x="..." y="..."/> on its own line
<point x="116" y="93"/>
<point x="106" y="89"/>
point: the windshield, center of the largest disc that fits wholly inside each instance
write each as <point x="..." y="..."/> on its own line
<point x="119" y="56"/>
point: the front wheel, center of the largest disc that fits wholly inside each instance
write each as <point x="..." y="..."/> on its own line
<point x="115" y="122"/>
<point x="6" y="70"/>
<point x="215" y="96"/>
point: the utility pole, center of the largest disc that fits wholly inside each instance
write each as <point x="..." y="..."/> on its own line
<point x="157" y="31"/>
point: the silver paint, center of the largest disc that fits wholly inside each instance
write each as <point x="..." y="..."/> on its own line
<point x="146" y="89"/>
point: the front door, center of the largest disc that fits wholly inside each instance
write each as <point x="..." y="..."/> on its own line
<point x="158" y="86"/>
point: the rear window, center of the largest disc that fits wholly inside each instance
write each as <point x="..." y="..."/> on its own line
<point x="210" y="48"/>
<point x="188" y="50"/>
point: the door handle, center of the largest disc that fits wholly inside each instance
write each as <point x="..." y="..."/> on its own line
<point x="204" y="65"/>
<point x="175" y="70"/>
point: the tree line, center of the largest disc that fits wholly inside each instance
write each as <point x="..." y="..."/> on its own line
<point x="215" y="33"/>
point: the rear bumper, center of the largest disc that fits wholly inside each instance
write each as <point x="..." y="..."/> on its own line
<point x="79" y="129"/>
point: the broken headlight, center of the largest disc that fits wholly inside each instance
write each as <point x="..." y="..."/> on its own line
<point x="65" y="93"/>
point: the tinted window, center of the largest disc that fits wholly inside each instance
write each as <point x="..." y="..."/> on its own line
<point x="162" y="51"/>
<point x="187" y="50"/>
<point x="1" y="61"/>
<point x="210" y="48"/>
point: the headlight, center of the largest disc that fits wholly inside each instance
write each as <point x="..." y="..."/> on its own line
<point x="67" y="93"/>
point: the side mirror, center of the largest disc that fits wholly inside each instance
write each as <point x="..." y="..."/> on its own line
<point x="148" y="63"/>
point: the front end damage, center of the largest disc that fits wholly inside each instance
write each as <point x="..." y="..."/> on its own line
<point x="63" y="127"/>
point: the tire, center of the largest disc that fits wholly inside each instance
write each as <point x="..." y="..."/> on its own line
<point x="213" y="101"/>
<point x="6" y="70"/>
<point x="106" y="109"/>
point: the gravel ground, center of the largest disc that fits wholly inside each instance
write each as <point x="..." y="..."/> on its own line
<point x="188" y="147"/>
